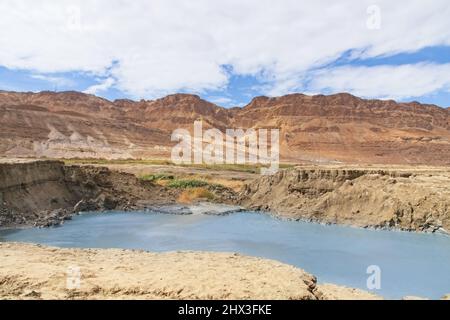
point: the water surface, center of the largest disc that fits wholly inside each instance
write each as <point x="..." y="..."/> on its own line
<point x="411" y="263"/>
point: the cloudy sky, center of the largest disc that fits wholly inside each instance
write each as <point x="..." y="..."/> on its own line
<point x="228" y="51"/>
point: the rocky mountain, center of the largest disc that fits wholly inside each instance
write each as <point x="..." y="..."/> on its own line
<point x="317" y="129"/>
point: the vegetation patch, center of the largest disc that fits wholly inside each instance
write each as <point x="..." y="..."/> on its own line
<point x="187" y="183"/>
<point x="189" y="195"/>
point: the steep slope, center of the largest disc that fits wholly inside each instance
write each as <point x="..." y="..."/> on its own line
<point x="70" y="124"/>
<point x="43" y="193"/>
<point x="413" y="201"/>
<point x="318" y="129"/>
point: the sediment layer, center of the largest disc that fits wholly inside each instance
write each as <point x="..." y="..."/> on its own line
<point x="44" y="193"/>
<point x="414" y="201"/>
<point x="338" y="128"/>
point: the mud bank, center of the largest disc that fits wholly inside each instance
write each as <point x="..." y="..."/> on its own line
<point x="44" y="193"/>
<point x="412" y="201"/>
<point x="36" y="272"/>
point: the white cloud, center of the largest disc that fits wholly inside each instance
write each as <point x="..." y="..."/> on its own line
<point x="387" y="82"/>
<point x="103" y="86"/>
<point x="57" y="81"/>
<point x="156" y="47"/>
<point x="223" y="101"/>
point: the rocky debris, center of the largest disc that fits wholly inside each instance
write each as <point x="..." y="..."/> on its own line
<point x="197" y="208"/>
<point x="446" y="297"/>
<point x="52" y="218"/>
<point x="215" y="209"/>
<point x="170" y="209"/>
<point x="85" y="205"/>
<point x="223" y="194"/>
<point x="365" y="198"/>
<point x="8" y="218"/>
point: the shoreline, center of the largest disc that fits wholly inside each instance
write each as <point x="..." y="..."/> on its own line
<point x="38" y="272"/>
<point x="273" y="215"/>
<point x="362" y="198"/>
<point x="139" y="274"/>
<point x="371" y="228"/>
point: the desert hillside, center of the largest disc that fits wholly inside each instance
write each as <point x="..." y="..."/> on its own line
<point x="317" y="129"/>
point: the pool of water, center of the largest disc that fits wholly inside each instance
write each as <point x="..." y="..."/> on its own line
<point x="410" y="263"/>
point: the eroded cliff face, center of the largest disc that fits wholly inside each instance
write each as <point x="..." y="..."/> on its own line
<point x="43" y="193"/>
<point x="365" y="198"/>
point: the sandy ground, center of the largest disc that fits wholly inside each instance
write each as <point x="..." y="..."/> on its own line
<point x="142" y="169"/>
<point x="229" y="178"/>
<point x="328" y="291"/>
<point x="36" y="272"/>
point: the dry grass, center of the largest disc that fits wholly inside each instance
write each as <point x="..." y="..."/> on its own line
<point x="189" y="195"/>
<point x="116" y="161"/>
<point x="235" y="185"/>
<point x="249" y="168"/>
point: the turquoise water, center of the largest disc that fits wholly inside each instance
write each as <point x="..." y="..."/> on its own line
<point x="411" y="263"/>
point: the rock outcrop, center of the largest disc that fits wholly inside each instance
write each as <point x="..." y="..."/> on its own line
<point x="366" y="198"/>
<point x="43" y="193"/>
<point x="317" y="129"/>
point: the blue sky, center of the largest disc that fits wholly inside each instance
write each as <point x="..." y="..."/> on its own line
<point x="238" y="91"/>
<point x="228" y="52"/>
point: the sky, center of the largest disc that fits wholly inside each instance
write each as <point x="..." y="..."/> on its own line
<point x="228" y="51"/>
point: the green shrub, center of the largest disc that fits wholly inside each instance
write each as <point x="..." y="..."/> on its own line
<point x="184" y="184"/>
